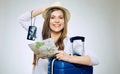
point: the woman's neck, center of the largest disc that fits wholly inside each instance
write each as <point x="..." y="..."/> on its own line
<point x="55" y="36"/>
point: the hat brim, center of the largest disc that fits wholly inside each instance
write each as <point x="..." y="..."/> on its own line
<point x="61" y="7"/>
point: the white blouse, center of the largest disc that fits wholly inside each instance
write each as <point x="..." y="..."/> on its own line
<point x="42" y="65"/>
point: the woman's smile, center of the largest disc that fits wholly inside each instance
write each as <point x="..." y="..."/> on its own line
<point x="56" y="21"/>
<point x="57" y="25"/>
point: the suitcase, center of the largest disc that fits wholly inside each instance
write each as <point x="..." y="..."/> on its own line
<point x="61" y="67"/>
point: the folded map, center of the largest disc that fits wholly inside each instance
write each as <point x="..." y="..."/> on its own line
<point x="44" y="48"/>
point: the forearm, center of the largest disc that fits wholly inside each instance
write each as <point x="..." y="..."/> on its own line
<point x="85" y="60"/>
<point x="36" y="12"/>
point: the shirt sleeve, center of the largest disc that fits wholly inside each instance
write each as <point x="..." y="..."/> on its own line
<point x="25" y="20"/>
<point x="78" y="48"/>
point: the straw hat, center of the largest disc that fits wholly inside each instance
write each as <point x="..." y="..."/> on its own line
<point x="58" y="5"/>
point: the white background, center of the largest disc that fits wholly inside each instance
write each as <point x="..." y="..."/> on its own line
<point x="97" y="20"/>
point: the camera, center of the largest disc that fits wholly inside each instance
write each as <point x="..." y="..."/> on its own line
<point x="31" y="33"/>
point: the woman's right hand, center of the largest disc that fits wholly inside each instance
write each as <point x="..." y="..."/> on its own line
<point x="38" y="11"/>
<point x="44" y="8"/>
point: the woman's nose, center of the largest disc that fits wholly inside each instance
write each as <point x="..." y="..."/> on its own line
<point x="56" y="20"/>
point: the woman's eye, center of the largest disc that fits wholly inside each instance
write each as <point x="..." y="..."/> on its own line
<point x="61" y="17"/>
<point x="51" y="17"/>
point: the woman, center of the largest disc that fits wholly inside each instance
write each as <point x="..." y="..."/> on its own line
<point x="55" y="25"/>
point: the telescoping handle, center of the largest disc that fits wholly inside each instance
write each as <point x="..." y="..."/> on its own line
<point x="72" y="39"/>
<point x="77" y="38"/>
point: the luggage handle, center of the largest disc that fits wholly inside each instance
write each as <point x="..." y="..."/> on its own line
<point x="72" y="39"/>
<point x="77" y="38"/>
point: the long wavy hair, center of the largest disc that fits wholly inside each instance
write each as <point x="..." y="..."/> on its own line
<point x="46" y="32"/>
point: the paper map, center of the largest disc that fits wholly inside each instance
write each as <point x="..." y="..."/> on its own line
<point x="44" y="48"/>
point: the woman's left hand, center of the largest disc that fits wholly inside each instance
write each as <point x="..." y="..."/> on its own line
<point x="61" y="55"/>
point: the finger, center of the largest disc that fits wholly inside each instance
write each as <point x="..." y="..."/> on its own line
<point x="59" y="56"/>
<point x="57" y="52"/>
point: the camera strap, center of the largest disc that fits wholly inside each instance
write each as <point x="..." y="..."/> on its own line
<point x="32" y="23"/>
